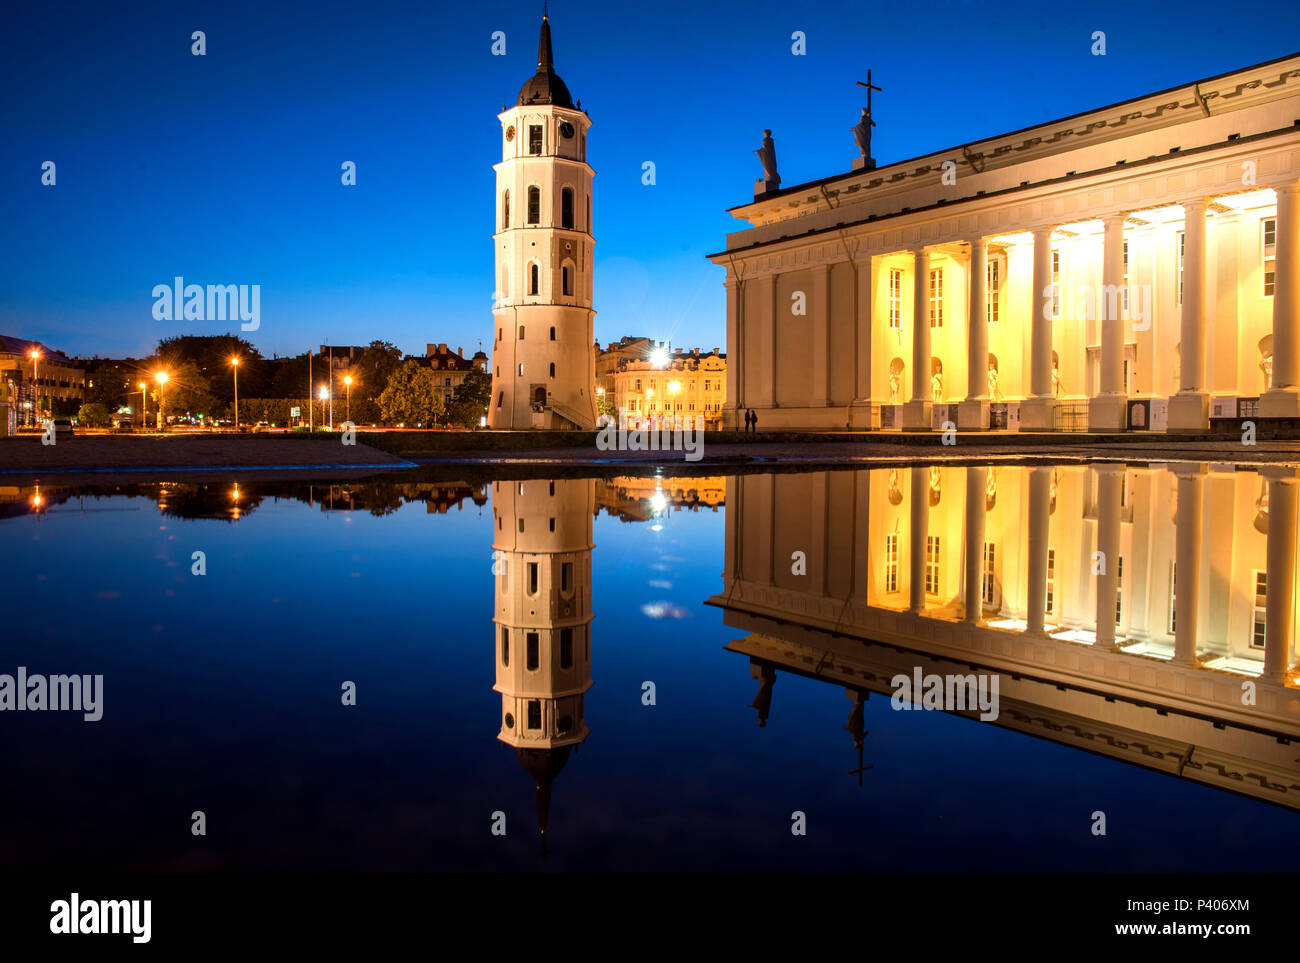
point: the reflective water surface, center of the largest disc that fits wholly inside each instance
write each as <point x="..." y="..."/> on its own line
<point x="659" y="672"/>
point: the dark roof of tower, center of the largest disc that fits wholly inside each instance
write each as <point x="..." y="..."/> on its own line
<point x="545" y="86"/>
<point x="543" y="765"/>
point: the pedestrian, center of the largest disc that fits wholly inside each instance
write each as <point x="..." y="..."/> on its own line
<point x="754" y="420"/>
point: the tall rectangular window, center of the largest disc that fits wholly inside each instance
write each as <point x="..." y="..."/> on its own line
<point x="1119" y="590"/>
<point x="534" y="139"/>
<point x="932" y="565"/>
<point x="1268" y="229"/>
<point x="895" y="299"/>
<point x="566" y="648"/>
<point x="534" y="656"/>
<point x="505" y="646"/>
<point x="1182" y="248"/>
<point x="891" y="563"/>
<point x="534" y="714"/>
<point x="988" y="583"/>
<point x="1051" y="582"/>
<point x="1173" y="598"/>
<point x="1056" y="284"/>
<point x="936" y="297"/>
<point x="566" y="574"/>
<point x="532" y="574"/>
<point x="1124" y="293"/>
<point x="1260" y="607"/>
<point x="994" y="286"/>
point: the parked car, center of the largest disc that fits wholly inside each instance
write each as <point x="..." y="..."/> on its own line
<point x="62" y="426"/>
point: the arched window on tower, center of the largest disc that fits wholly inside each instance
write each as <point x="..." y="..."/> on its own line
<point x="566" y="207"/>
<point x="505" y="211"/>
<point x="552" y="369"/>
<point x="534" y="276"/>
<point x="534" y="205"/>
<point x="566" y="276"/>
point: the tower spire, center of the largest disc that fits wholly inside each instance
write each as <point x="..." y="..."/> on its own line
<point x="545" y="60"/>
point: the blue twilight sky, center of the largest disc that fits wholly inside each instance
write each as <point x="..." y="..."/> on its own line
<point x="225" y="169"/>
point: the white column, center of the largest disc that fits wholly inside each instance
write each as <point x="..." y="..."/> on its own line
<point x="917" y="412"/>
<point x="1106" y="411"/>
<point x="976" y="480"/>
<point x="1187" y="559"/>
<point x="735" y="389"/>
<point x="920" y="528"/>
<point x="1109" y="480"/>
<point x="819" y="302"/>
<point x="1036" y="411"/>
<point x="1283" y="399"/>
<point x="1189" y="410"/>
<point x="1279" y="600"/>
<point x="1040" y="482"/>
<point x="973" y="413"/>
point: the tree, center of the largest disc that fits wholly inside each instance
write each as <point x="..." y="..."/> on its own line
<point x="211" y="355"/>
<point x="188" y="391"/>
<point x="93" y="415"/>
<point x="372" y="369"/>
<point x="472" y="399"/>
<point x="411" y="396"/>
<point x="109" y="384"/>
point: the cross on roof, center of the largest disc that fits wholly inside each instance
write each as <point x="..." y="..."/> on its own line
<point x="870" y="87"/>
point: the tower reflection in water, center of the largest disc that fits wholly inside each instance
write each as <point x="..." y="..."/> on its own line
<point x="1144" y="613"/>
<point x="542" y="569"/>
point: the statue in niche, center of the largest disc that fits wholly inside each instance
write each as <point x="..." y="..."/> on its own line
<point x="995" y="393"/>
<point x="767" y="157"/>
<point x="936" y="484"/>
<point x="936" y="387"/>
<point x="895" y="488"/>
<point x="1056" y="379"/>
<point x="895" y="384"/>
<point x="1266" y="367"/>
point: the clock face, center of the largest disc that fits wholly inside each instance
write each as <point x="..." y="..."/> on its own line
<point x="510" y="133"/>
<point x="566" y="129"/>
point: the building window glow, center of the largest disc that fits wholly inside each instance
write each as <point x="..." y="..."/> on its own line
<point x="988" y="586"/>
<point x="1051" y="582"/>
<point x="1261" y="599"/>
<point x="1269" y="230"/>
<point x="932" y="565"/>
<point x="936" y="298"/>
<point x="1173" y="598"/>
<point x="1182" y="248"/>
<point x="1056" y="284"/>
<point x="534" y="139"/>
<point x="994" y="288"/>
<point x="534" y="205"/>
<point x="895" y="299"/>
<point x="891" y="563"/>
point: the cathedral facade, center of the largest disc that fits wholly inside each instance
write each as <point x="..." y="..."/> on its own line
<point x="1134" y="266"/>
<point x="543" y="363"/>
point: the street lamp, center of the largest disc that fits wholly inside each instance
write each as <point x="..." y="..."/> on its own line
<point x="324" y="397"/>
<point x="162" y="400"/>
<point x="347" y="380"/>
<point x="235" y="363"/>
<point x="36" y="384"/>
<point x="144" y="403"/>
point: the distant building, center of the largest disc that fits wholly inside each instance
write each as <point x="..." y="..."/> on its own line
<point x="33" y="384"/>
<point x="660" y="384"/>
<point x="450" y="367"/>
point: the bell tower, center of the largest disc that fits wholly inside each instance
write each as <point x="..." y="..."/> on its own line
<point x="542" y="623"/>
<point x="543" y="362"/>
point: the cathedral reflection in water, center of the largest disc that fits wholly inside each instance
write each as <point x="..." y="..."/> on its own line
<point x="1144" y="613"/>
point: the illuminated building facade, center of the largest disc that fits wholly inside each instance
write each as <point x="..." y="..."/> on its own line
<point x="1144" y="612"/>
<point x="1132" y="266"/>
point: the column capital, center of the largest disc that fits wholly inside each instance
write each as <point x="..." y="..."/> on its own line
<point x="1189" y="469"/>
<point x="1279" y="473"/>
<point x="1200" y="204"/>
<point x="1109" y="467"/>
<point x="1044" y="230"/>
<point x="979" y="240"/>
<point x="1110" y="218"/>
<point x="1289" y="183"/>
